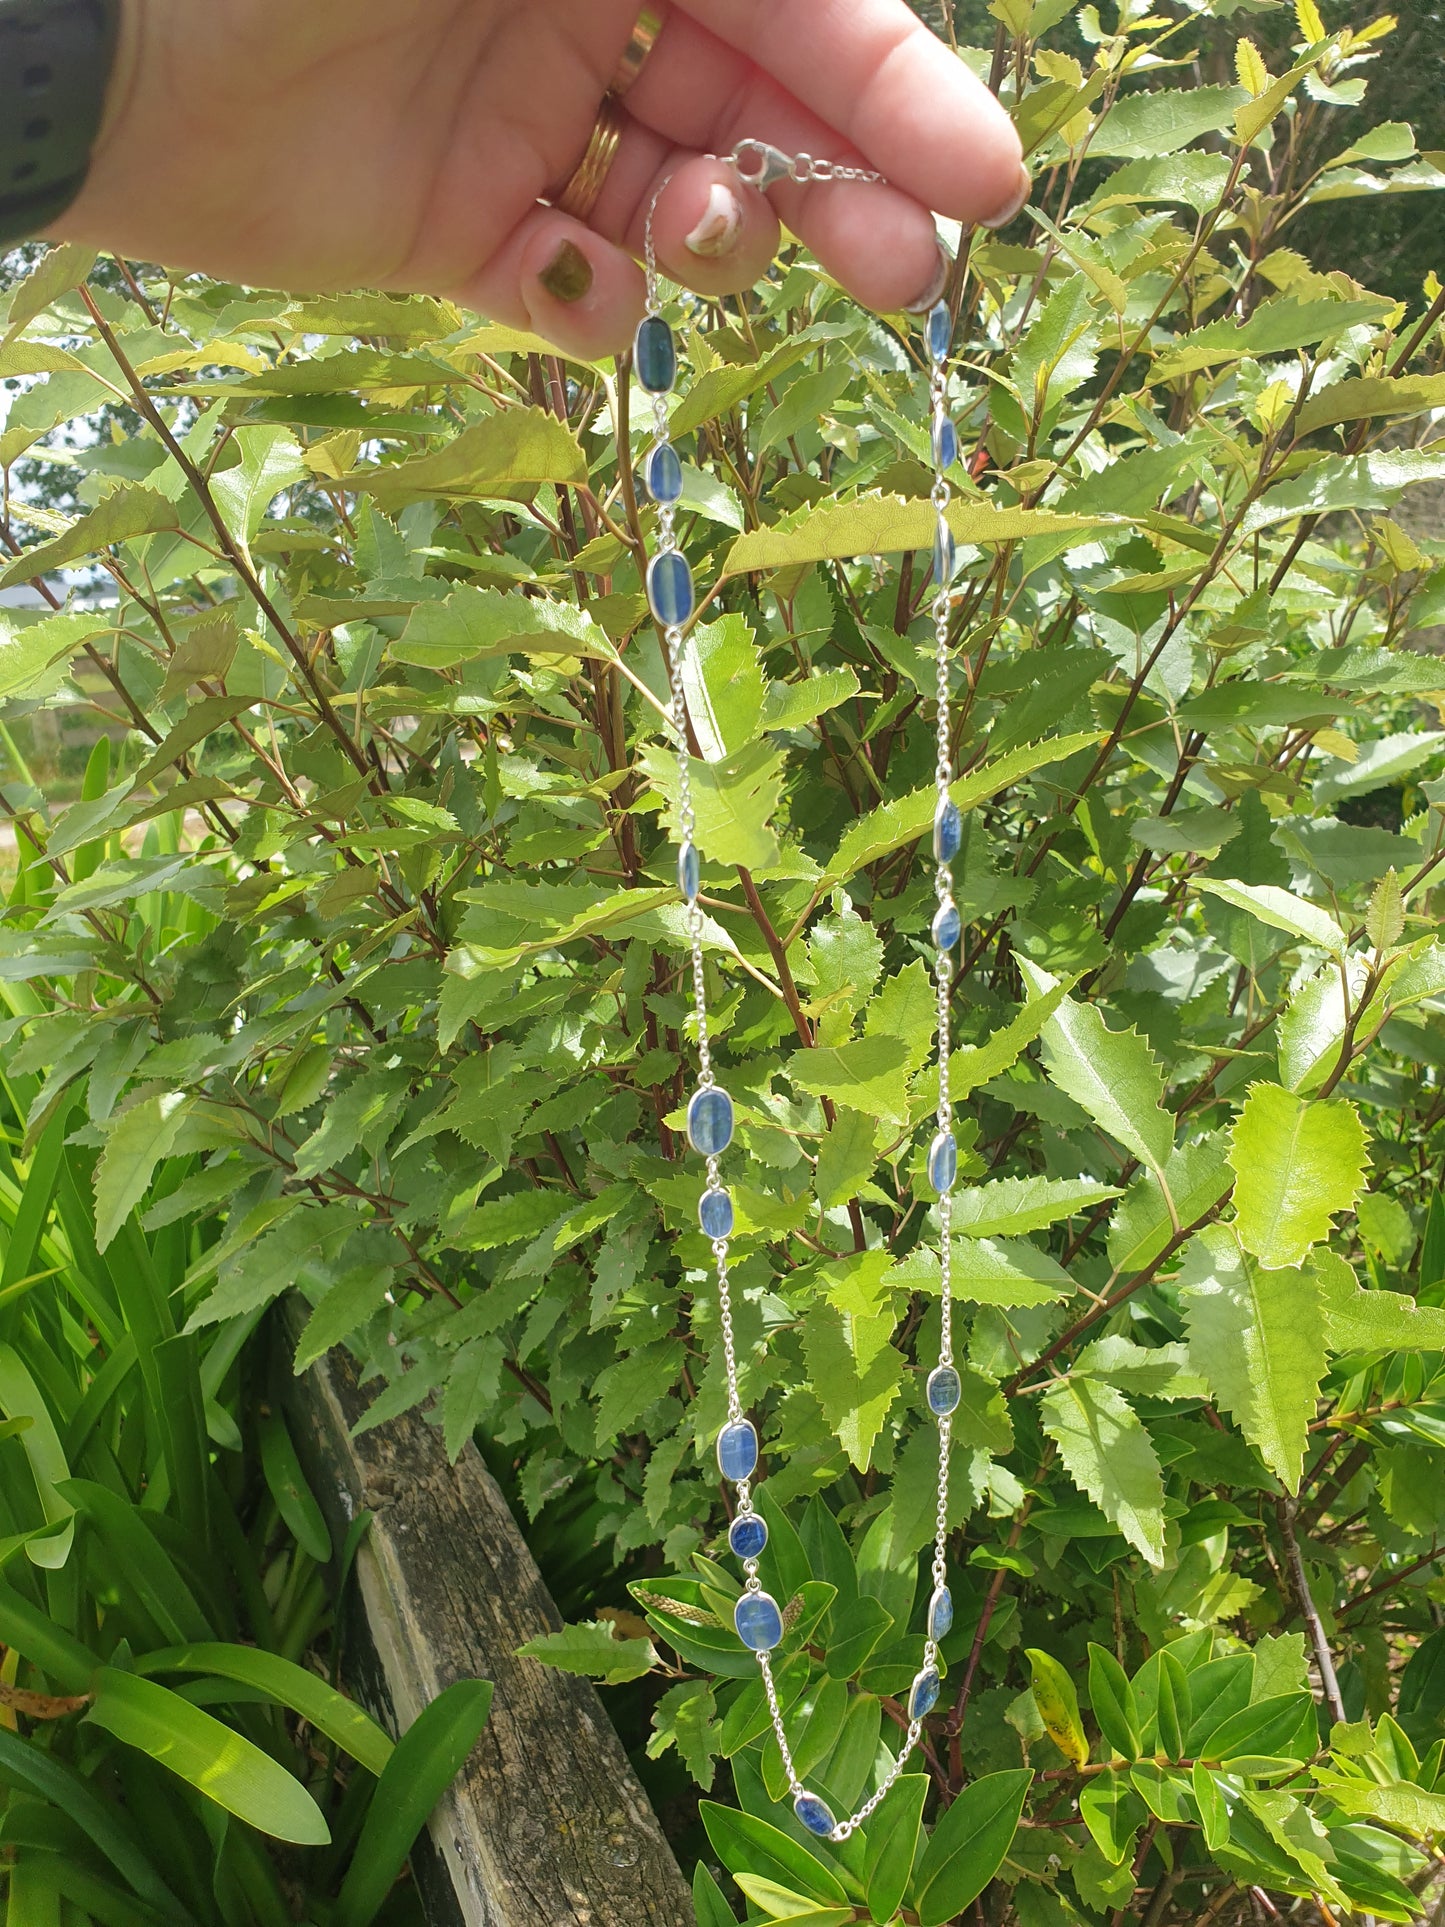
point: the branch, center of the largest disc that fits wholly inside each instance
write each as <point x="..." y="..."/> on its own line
<point x="1324" y="1659"/>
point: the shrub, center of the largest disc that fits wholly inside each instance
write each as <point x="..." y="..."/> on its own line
<point x="403" y="993"/>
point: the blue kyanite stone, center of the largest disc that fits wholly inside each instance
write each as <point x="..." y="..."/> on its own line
<point x="689" y="871"/>
<point x="759" y="1623"/>
<point x="737" y="1450"/>
<point x="923" y="1694"/>
<point x="662" y="474"/>
<point x="710" y="1121"/>
<point x="655" y="355"/>
<point x="945" y="1388"/>
<point x="815" y="1814"/>
<point x="715" y="1213"/>
<point x="939" y="330"/>
<point x="940" y="1613"/>
<point x="747" y="1535"/>
<point x="669" y="588"/>
<point x="945" y="555"/>
<point x="947" y="832"/>
<point x="945" y="441"/>
<point x="943" y="1162"/>
<point x="947" y="925"/>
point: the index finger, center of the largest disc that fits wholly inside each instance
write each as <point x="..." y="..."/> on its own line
<point x="871" y="69"/>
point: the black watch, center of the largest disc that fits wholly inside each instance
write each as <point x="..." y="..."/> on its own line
<point x="55" y="60"/>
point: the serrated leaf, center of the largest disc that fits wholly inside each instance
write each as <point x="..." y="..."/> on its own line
<point x="1111" y="1074"/>
<point x="473" y="624"/>
<point x="591" y="1650"/>
<point x="734" y="801"/>
<point x="685" y="1717"/>
<point x="1248" y="65"/>
<point x="1385" y="918"/>
<point x="1016" y="1205"/>
<point x="1110" y="1457"/>
<point x="135" y="1144"/>
<point x="127" y="512"/>
<point x="1296" y="1163"/>
<point x="1281" y="909"/>
<point x="854" y="1372"/>
<point x="501" y="454"/>
<point x="1258" y="1337"/>
<point x="884" y="525"/>
<point x="1372" y="1321"/>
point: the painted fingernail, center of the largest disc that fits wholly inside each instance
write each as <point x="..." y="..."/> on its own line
<point x="720" y="225"/>
<point x="934" y="289"/>
<point x="1016" y="201"/>
<point x="568" y="275"/>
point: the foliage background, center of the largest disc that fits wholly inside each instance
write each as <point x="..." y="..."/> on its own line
<point x="365" y="939"/>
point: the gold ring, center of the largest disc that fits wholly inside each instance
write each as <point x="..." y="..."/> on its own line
<point x="580" y="195"/>
<point x="640" y="44"/>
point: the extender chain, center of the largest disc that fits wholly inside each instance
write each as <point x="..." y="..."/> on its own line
<point x="671" y="595"/>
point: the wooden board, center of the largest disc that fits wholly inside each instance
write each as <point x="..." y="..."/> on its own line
<point x="548" y="1825"/>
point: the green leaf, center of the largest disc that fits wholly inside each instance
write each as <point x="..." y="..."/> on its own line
<point x="1113" y="1813"/>
<point x="1007" y="1272"/>
<point x="1296" y="1163"/>
<point x="1265" y="1728"/>
<point x="1111" y="1074"/>
<point x="57" y="271"/>
<point x="349" y="1303"/>
<point x="502" y="454"/>
<point x="854" y="1372"/>
<point x="330" y="1712"/>
<point x="473" y="625"/>
<point x="126" y="513"/>
<point x="894" y="824"/>
<point x="1372" y="1321"/>
<point x="21" y="1399"/>
<point x="868" y="1075"/>
<point x="270" y="461"/>
<point x="1279" y="909"/>
<point x="294" y="1498"/>
<point x="883" y="525"/>
<point x="1257" y="1335"/>
<point x="593" y="1650"/>
<point x="1372" y="398"/>
<point x="1197" y="1175"/>
<point x="746" y="1844"/>
<point x="1024" y="1204"/>
<point x="1150" y="1371"/>
<point x="976" y="1064"/>
<point x="780" y="1903"/>
<point x="427" y="1758"/>
<point x="968" y="1845"/>
<point x="211" y="1757"/>
<point x="31" y="1769"/>
<point x="1164" y="120"/>
<point x="135" y="1144"/>
<point x="1109" y="1456"/>
<point x="1275" y="328"/>
<point x="685" y="1717"/>
<point x="734" y="801"/>
<point x="28" y="653"/>
<point x="1385" y="918"/>
<point x="893" y="1835"/>
<point x="708" y="1904"/>
<point x="1112" y="1699"/>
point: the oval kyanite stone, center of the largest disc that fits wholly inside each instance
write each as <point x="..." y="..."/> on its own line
<point x="923" y="1694"/>
<point x="715" y="1212"/>
<point x="945" y="555"/>
<point x="945" y="441"/>
<point x="669" y="588"/>
<point x="940" y="1613"/>
<point x="710" y="1121"/>
<point x="759" y="1623"/>
<point x="655" y="355"/>
<point x="943" y="1162"/>
<point x="939" y="330"/>
<point x="689" y="871"/>
<point x="945" y="1389"/>
<point x="662" y="474"/>
<point x="747" y="1535"/>
<point x="947" y="832"/>
<point x="947" y="925"/>
<point x="737" y="1450"/>
<point x="815" y="1814"/>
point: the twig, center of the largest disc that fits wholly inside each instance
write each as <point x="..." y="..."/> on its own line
<point x="1324" y="1659"/>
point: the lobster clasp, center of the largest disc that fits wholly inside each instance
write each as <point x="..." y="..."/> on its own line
<point x="760" y="165"/>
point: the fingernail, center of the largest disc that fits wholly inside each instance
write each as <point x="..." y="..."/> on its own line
<point x="568" y="275"/>
<point x="720" y="225"/>
<point x="935" y="286"/>
<point x="1016" y="201"/>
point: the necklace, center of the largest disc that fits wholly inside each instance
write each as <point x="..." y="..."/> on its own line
<point x="672" y="598"/>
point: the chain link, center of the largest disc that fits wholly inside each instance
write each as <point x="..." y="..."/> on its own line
<point x="758" y="164"/>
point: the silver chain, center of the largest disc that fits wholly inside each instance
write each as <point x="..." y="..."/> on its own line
<point x="760" y="165"/>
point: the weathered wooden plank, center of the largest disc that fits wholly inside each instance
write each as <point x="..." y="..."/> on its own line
<point x="547" y="1826"/>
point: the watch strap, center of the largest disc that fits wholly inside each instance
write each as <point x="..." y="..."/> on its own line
<point x="55" y="60"/>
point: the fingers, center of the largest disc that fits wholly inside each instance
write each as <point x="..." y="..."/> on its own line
<point x="867" y="71"/>
<point x="563" y="281"/>
<point x="711" y="232"/>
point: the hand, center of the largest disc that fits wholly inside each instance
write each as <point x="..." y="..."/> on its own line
<point x="405" y="144"/>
